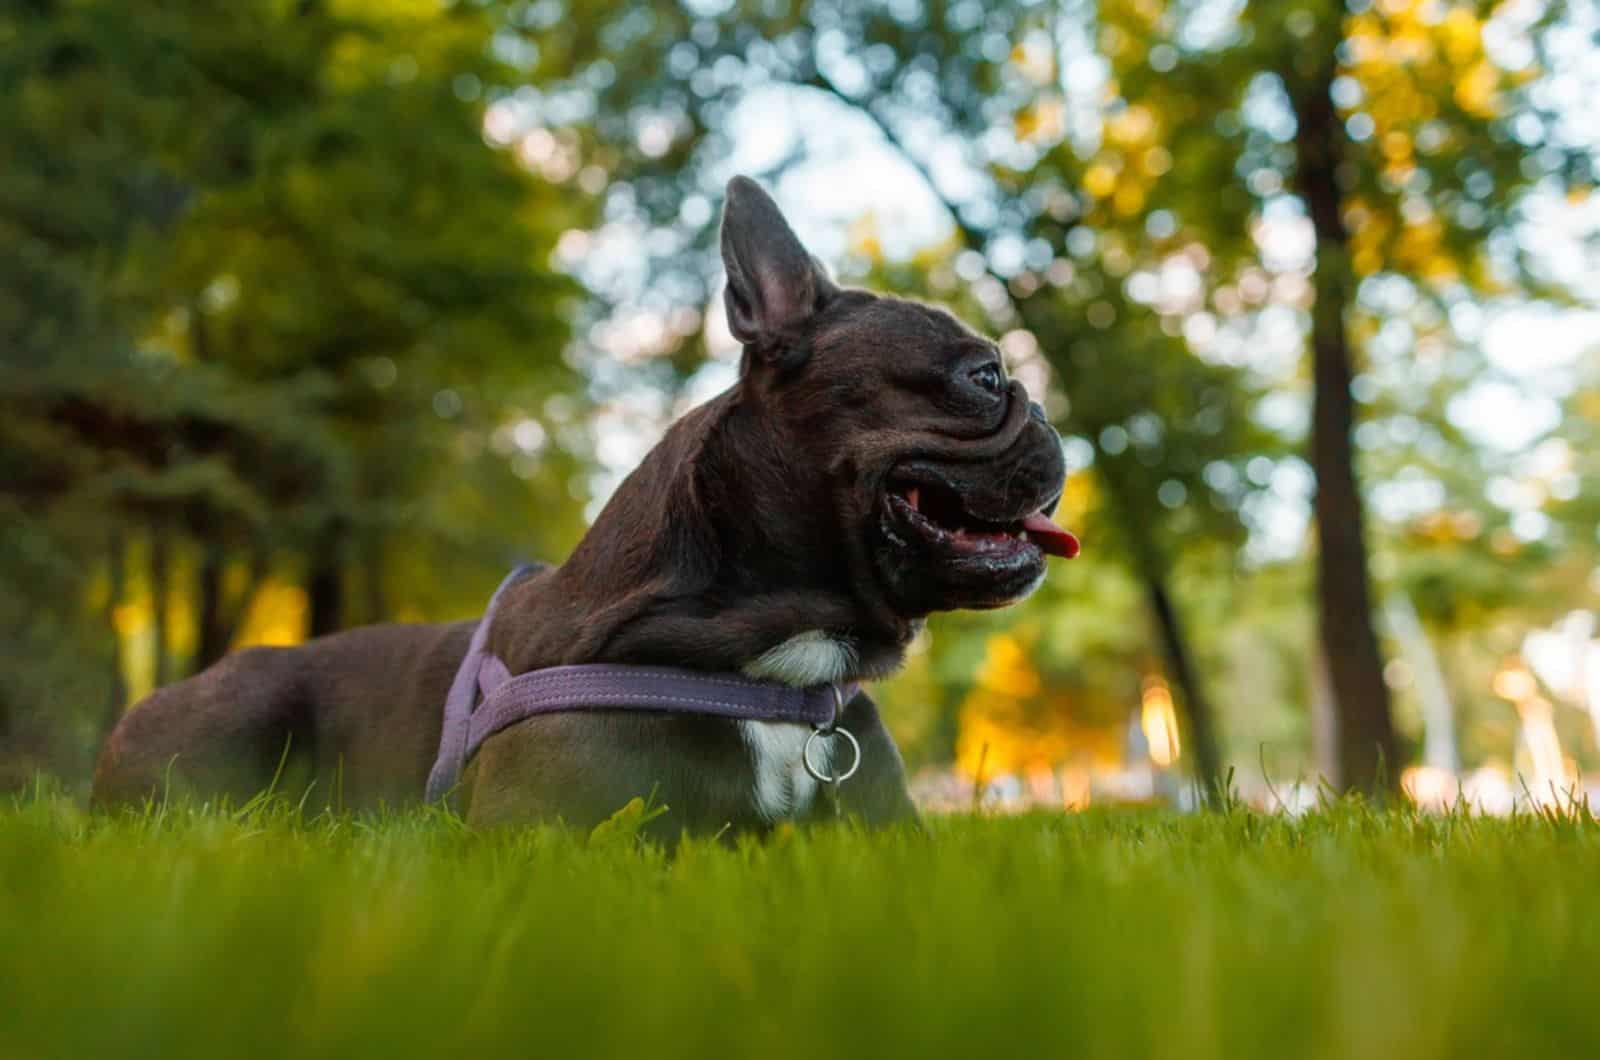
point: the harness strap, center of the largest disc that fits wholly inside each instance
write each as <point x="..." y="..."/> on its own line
<point x="509" y="699"/>
<point x="452" y="757"/>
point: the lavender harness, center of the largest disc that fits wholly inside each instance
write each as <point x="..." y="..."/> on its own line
<point x="508" y="699"/>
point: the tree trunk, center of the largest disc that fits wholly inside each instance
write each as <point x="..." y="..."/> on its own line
<point x="1191" y="695"/>
<point x="377" y="606"/>
<point x="160" y="598"/>
<point x="220" y="616"/>
<point x="215" y="632"/>
<point x="1365" y="739"/>
<point x="325" y="585"/>
<point x="117" y="574"/>
<point x="1198" y="719"/>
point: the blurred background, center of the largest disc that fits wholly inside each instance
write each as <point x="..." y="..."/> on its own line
<point x="316" y="313"/>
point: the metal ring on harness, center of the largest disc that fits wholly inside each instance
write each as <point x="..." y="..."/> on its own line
<point x="855" y="752"/>
<point x="838" y="712"/>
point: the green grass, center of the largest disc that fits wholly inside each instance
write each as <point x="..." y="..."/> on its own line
<point x="1347" y="934"/>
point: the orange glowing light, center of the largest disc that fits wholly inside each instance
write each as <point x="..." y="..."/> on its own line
<point x="1430" y="787"/>
<point x="1514" y="683"/>
<point x="1159" y="721"/>
<point x="1075" y="787"/>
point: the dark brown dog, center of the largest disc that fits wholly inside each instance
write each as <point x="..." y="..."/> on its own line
<point x="872" y="465"/>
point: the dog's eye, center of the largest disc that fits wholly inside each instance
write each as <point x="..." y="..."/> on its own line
<point x="988" y="377"/>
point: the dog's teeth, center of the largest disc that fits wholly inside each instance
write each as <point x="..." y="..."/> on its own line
<point x="1022" y="535"/>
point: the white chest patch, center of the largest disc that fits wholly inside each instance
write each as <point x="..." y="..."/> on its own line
<point x="783" y="787"/>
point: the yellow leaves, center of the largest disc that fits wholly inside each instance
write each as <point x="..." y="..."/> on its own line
<point x="1149" y="11"/>
<point x="350" y="61"/>
<point x="1128" y="200"/>
<point x="1079" y="495"/>
<point x="393" y="9"/>
<point x="1012" y="723"/>
<point x="1397" y="146"/>
<point x="1045" y="121"/>
<point x="996" y="735"/>
<point x="130" y="620"/>
<point x="995" y="746"/>
<point x="1364" y="37"/>
<point x="1157" y="161"/>
<point x="277" y="616"/>
<point x="1132" y="127"/>
<point x="1130" y="161"/>
<point x="416" y="41"/>
<point x="1113" y="41"/>
<point x="1424" y="82"/>
<point x="1126" y="187"/>
<point x="1100" y="180"/>
<point x="1406" y="54"/>
<point x="1446" y="527"/>
<point x="1007" y="669"/>
<point x="1463" y="36"/>
<point x="1369" y="233"/>
<point x="1478" y="92"/>
<point x="1440" y="270"/>
<point x="936" y="254"/>
<point x="863" y="238"/>
<point x="1366" y="262"/>
<point x="1418" y="247"/>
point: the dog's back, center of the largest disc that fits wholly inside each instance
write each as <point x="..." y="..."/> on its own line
<point x="357" y="713"/>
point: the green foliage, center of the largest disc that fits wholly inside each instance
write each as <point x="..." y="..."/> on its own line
<point x="1348" y="933"/>
<point x="1095" y="144"/>
<point x="286" y="299"/>
<point x="271" y="292"/>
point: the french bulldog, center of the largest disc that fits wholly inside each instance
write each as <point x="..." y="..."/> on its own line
<point x="872" y="464"/>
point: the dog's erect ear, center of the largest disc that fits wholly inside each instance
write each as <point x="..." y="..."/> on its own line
<point x="773" y="284"/>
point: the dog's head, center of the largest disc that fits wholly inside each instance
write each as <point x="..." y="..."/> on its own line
<point x="923" y="463"/>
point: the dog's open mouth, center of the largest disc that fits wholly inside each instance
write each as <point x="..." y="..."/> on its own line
<point x="936" y="512"/>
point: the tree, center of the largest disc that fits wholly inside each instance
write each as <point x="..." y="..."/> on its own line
<point x="1402" y="143"/>
<point x="1433" y="113"/>
<point x="936" y="76"/>
<point x="1119" y="138"/>
<point x="272" y="294"/>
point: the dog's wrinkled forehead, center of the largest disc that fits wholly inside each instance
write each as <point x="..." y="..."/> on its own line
<point x="895" y="331"/>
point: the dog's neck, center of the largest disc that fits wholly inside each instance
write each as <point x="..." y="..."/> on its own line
<point x="811" y="657"/>
<point x="709" y="553"/>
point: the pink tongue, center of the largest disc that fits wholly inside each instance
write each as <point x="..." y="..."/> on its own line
<point x="1043" y="532"/>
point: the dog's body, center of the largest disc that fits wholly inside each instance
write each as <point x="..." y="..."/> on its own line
<point x="870" y="466"/>
<point x="360" y="712"/>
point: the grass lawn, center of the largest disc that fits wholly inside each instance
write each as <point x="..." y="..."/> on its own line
<point x="1346" y="934"/>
